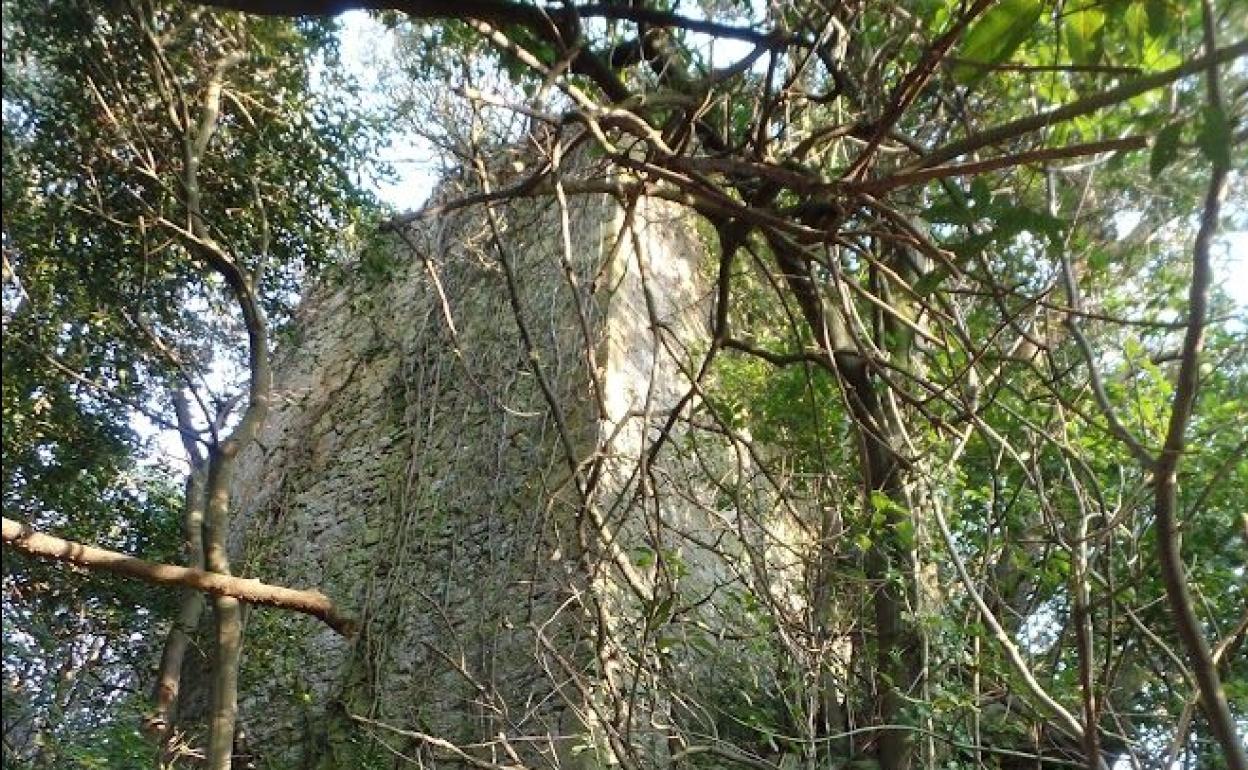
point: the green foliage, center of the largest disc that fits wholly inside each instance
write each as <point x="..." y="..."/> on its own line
<point x="108" y="306"/>
<point x="1165" y="148"/>
<point x="1083" y="30"/>
<point x="995" y="36"/>
<point x="1214" y="138"/>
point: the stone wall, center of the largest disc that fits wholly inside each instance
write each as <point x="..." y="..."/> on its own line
<point x="471" y="490"/>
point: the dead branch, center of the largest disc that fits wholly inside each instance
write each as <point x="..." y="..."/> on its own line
<point x="21" y="537"/>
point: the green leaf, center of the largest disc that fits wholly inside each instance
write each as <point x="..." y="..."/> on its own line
<point x="972" y="245"/>
<point x="1135" y="21"/>
<point x="702" y="644"/>
<point x="1158" y="17"/>
<point x="1012" y="220"/>
<point x="957" y="197"/>
<point x="996" y="36"/>
<point x="881" y="502"/>
<point x="1214" y="139"/>
<point x="981" y="193"/>
<point x="905" y="532"/>
<point x="931" y="280"/>
<point x="1165" y="148"/>
<point x="1099" y="259"/>
<point x="662" y="611"/>
<point x="1082" y="31"/>
<point x="948" y="212"/>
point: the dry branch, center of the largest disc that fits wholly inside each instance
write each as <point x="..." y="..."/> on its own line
<point x="22" y="537"/>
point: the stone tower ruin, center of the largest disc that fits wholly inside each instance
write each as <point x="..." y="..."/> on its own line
<point x="462" y="455"/>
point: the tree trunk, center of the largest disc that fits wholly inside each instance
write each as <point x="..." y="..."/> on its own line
<point x="168" y="678"/>
<point x="228" y="619"/>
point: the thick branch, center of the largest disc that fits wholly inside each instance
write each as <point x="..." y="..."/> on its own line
<point x="558" y="25"/>
<point x="310" y="602"/>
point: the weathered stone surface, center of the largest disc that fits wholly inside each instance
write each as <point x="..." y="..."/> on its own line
<point x="417" y="470"/>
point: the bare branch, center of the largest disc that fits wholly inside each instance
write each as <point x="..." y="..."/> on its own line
<point x="22" y="537"/>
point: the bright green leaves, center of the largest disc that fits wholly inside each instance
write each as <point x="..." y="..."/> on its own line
<point x="883" y="504"/>
<point x="904" y="530"/>
<point x="1082" y="31"/>
<point x="1150" y="34"/>
<point x="1123" y="33"/>
<point x="1147" y="399"/>
<point x="1133" y="20"/>
<point x="995" y="37"/>
<point x="887" y="515"/>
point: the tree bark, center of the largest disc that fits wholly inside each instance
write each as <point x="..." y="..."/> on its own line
<point x="169" y="676"/>
<point x="227" y="610"/>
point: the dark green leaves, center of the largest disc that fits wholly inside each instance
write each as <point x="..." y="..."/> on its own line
<point x="1214" y="138"/>
<point x="991" y="220"/>
<point x="1165" y="148"/>
<point x="1158" y="17"/>
<point x="931" y="280"/>
<point x="1012" y="220"/>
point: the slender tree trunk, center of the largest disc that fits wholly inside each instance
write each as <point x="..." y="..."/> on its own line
<point x="890" y="571"/>
<point x="169" y="677"/>
<point x="227" y="610"/>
